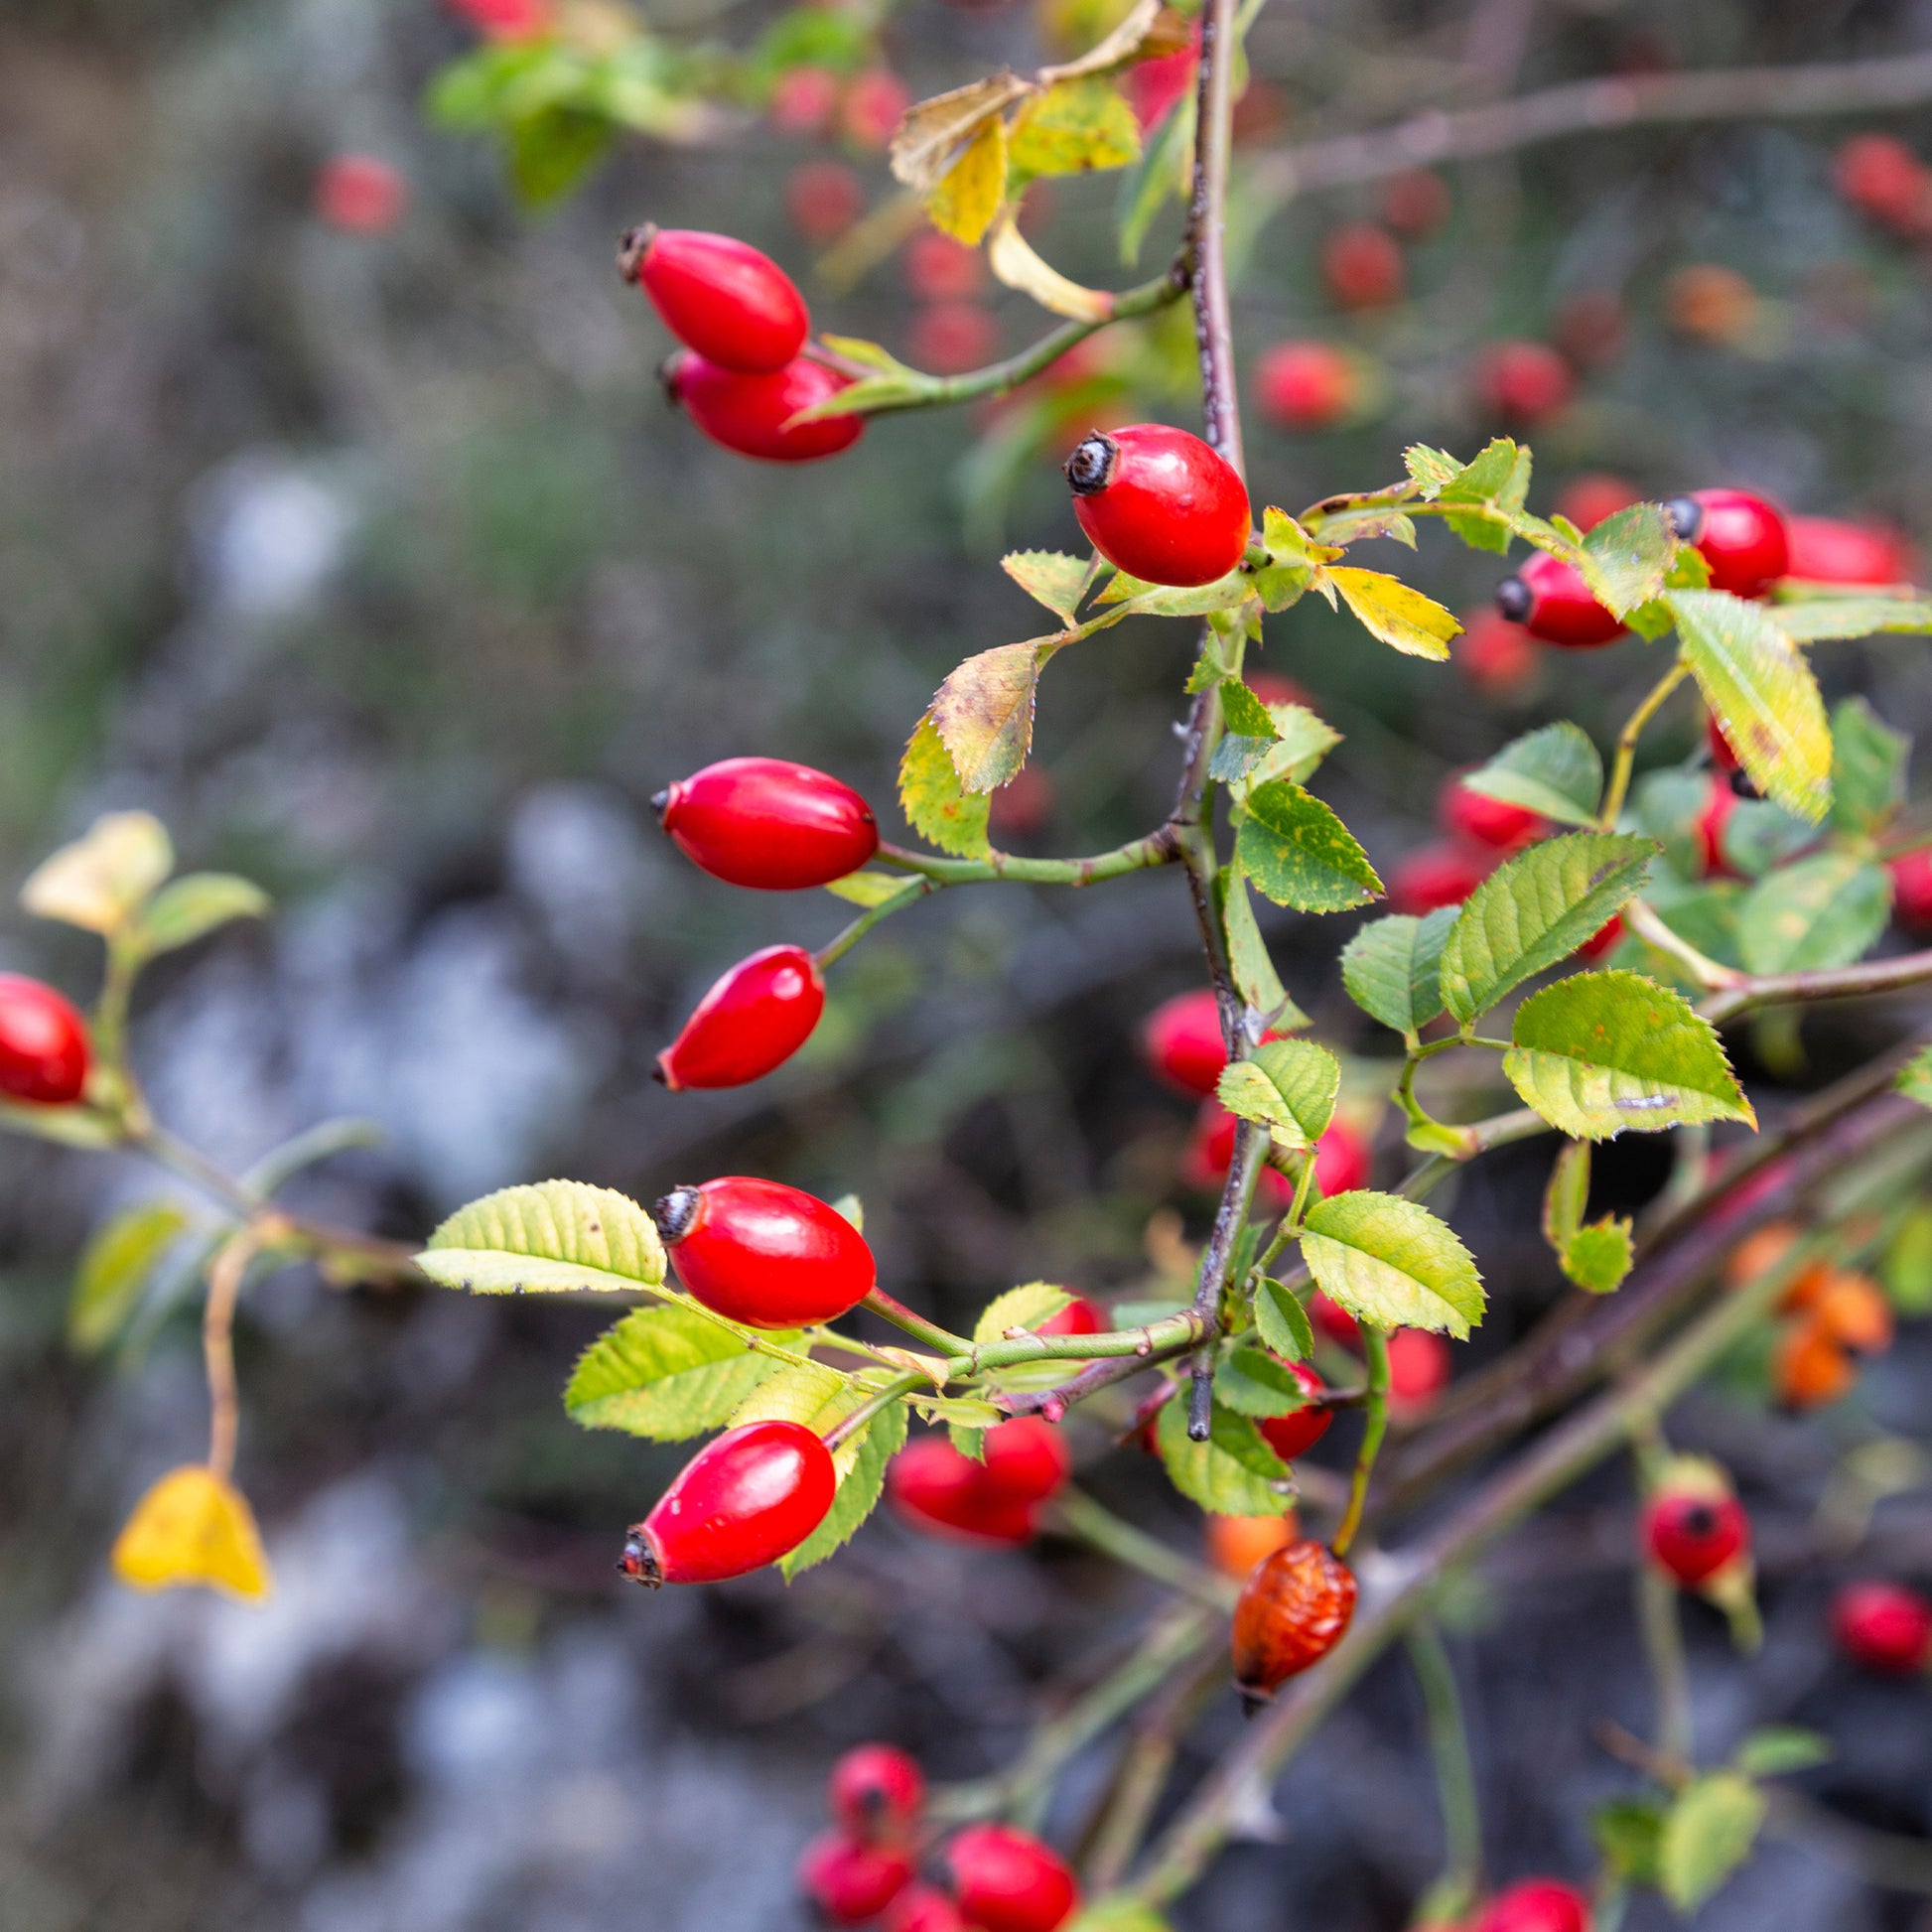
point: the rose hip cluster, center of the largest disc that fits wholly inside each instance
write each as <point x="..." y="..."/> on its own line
<point x="866" y="1869"/>
<point x="1830" y="1319"/>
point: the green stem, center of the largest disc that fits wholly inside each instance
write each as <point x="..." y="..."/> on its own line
<point x="1626" y="743"/>
<point x="848" y="1427"/>
<point x="1077" y="1513"/>
<point x="1663" y="1646"/>
<point x="1455" y="1783"/>
<point x="1156" y="849"/>
<point x="838" y="947"/>
<point x="1169" y="1335"/>
<point x="1375" y="1406"/>
<point x="915" y="1325"/>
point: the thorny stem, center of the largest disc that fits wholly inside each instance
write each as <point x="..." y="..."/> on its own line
<point x="1079" y="1515"/>
<point x="1626" y="743"/>
<point x="1375" y="1350"/>
<point x="1456" y="1783"/>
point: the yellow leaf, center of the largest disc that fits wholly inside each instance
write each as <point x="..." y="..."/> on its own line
<point x="193" y="1527"/>
<point x="1397" y="615"/>
<point x="969" y="195"/>
<point x="984" y="712"/>
<point x="1013" y="261"/>
<point x="934" y="131"/>
<point x="1074" y="128"/>
<point x="99" y="880"/>
<point x="936" y="806"/>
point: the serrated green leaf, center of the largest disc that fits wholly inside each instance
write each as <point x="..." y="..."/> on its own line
<point x="861" y="1484"/>
<point x="1625" y="558"/>
<point x="186" y="908"/>
<point x="868" y="887"/>
<point x="1235" y="756"/>
<point x="1764" y="696"/>
<point x="1599" y="1053"/>
<point x="1245" y="713"/>
<point x="1282" y="1323"/>
<point x="552" y="1238"/>
<point x="1500" y="481"/>
<point x="1288" y="1086"/>
<point x="1818" y="619"/>
<point x="1868" y="767"/>
<point x="1049" y="577"/>
<point x="1298" y="853"/>
<point x="1392" y="968"/>
<point x="1431" y="468"/>
<point x="1393" y="1264"/>
<point x="1403" y="619"/>
<point x="1535" y="910"/>
<point x="1028" y="1306"/>
<point x="1251" y="1382"/>
<point x="665" y="1373"/>
<point x="1075" y="127"/>
<point x="1598" y="1258"/>
<point x="1915" y="1077"/>
<point x="851" y="1208"/>
<point x="801" y="1392"/>
<point x="1779" y="1749"/>
<point x="1707" y="1834"/>
<point x="114" y="1268"/>
<point x="935" y="805"/>
<point x="1668" y="807"/>
<point x="1233" y="1473"/>
<point x="984" y="712"/>
<point x="1567" y="1194"/>
<point x="1758" y="835"/>
<point x="1556" y="772"/>
<point x="1255" y="978"/>
<point x="1304" y="741"/>
<point x="1822" y="911"/>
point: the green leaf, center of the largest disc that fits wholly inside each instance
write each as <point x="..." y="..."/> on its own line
<point x="1255" y="978"/>
<point x="1028" y="1306"/>
<point x="1759" y="835"/>
<point x="1628" y="1833"/>
<point x="1598" y="1258"/>
<point x="1625" y="558"/>
<point x="1567" y="1194"/>
<point x="860" y="1487"/>
<point x="550" y="151"/>
<point x="1392" y="1263"/>
<point x="1288" y="1086"/>
<point x="1764" y="695"/>
<point x="1050" y="577"/>
<point x="984" y="712"/>
<point x="1598" y="1052"/>
<point x="1388" y="609"/>
<point x="1253" y="1383"/>
<point x="868" y="887"/>
<point x="1144" y="188"/>
<point x="1868" y="767"/>
<point x="1392" y="968"/>
<point x="1299" y="854"/>
<point x="196" y="904"/>
<point x="1282" y="1323"/>
<point x="1668" y="807"/>
<point x="114" y="1268"/>
<point x="1817" y="620"/>
<point x="934" y="806"/>
<point x="1780" y="1748"/>
<point x="1826" y="910"/>
<point x="553" y="1238"/>
<point x="1536" y="910"/>
<point x="1499" y="482"/>
<point x="1119" y="1915"/>
<point x="1915" y="1078"/>
<point x="1233" y="1473"/>
<point x="666" y="1373"/>
<point x="801" y="1392"/>
<point x="1245" y="713"/>
<point x="1074" y="127"/>
<point x="1707" y="1834"/>
<point x="1304" y="741"/>
<point x="1432" y="470"/>
<point x="1905" y="1266"/>
<point x="1555" y="771"/>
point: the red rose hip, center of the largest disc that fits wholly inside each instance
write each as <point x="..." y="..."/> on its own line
<point x="1160" y="504"/>
<point x="1740" y="536"/>
<point x="1823" y="550"/>
<point x="851" y="1882"/>
<point x="764" y="1254"/>
<point x="1291" y="1434"/>
<point x="44" y="1051"/>
<point x="1911" y="884"/>
<point x="1523" y="383"/>
<point x="1884" y="1626"/>
<point x="1181" y="1038"/>
<point x="1691" y="1535"/>
<point x="1292" y="1612"/>
<point x="1441" y="874"/>
<point x="934" y="1486"/>
<point x="769" y="825"/>
<point x="1307" y="385"/>
<point x="1536" y="1905"/>
<point x="918" y="1909"/>
<point x="1489" y="821"/>
<point x="875" y="1791"/>
<point x="1005" y="1880"/>
<point x="1551" y="601"/>
<point x="754" y="1019"/>
<point x="748" y="414"/>
<point x="718" y="296"/>
<point x="1361" y="266"/>
<point x="742" y="1501"/>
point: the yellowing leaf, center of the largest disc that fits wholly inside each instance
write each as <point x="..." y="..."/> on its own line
<point x="1402" y="617"/>
<point x="984" y="712"/>
<point x="193" y="1527"/>
<point x="1014" y="261"/>
<point x="99" y="880"/>
<point x="968" y="195"/>
<point x="934" y="806"/>
<point x="933" y="132"/>
<point x="1073" y="127"/>
<point x="1149" y="30"/>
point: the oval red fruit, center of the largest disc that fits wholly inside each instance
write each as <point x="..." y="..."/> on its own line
<point x="1181" y="1038"/>
<point x="803" y="99"/>
<point x="1523" y="383"/>
<point x="851" y="1882"/>
<point x="1551" y="601"/>
<point x="1361" y="266"/>
<point x="1005" y="1880"/>
<point x="1740" y="536"/>
<point x="1884" y="1626"/>
<point x="823" y="198"/>
<point x="754" y="1019"/>
<point x="769" y="825"/>
<point x="1292" y="1612"/>
<point x="1291" y="1434"/>
<point x="918" y="1909"/>
<point x="1536" y="1905"/>
<point x="1911" y="884"/>
<point x="1307" y="385"/>
<point x="1419" y="1371"/>
<point x="1823" y="550"/>
<point x="742" y="1501"/>
<point x="1496" y="655"/>
<point x="875" y="1791"/>
<point x="1489" y="821"/>
<point x="748" y="414"/>
<point x="934" y="1486"/>
<point x="1720" y="801"/>
<point x="1079" y="1318"/>
<point x="720" y="296"/>
<point x="360" y="194"/>
<point x="1691" y="1535"/>
<point x="764" y="1254"/>
<point x="1159" y="503"/>
<point x="1882" y="178"/>
<point x="44" y="1050"/>
<point x="1441" y="874"/>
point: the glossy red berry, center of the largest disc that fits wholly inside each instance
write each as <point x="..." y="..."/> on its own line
<point x="1493" y="822"/>
<point x="1210" y="1154"/>
<point x="1551" y="601"/>
<point x="1419" y="1371"/>
<point x="939" y="269"/>
<point x="1721" y="754"/>
<point x="1522" y="382"/>
<point x="1181" y="1038"/>
<point x="1361" y="266"/>
<point x="749" y="414"/>
<point x="1291" y="1434"/>
<point x="1691" y="1535"/>
<point x="850" y="1881"/>
<point x="1334" y="1320"/>
<point x="1307" y="385"/>
<point x="754" y="1019"/>
<point x="1604" y="939"/>
<point x="1159" y="503"/>
<point x="1292" y="1612"/>
<point x="44" y="1050"/>
<point x="1441" y="874"/>
<point x="875" y="1791"/>
<point x="1823" y="550"/>
<point x="764" y="1254"/>
<point x="1884" y="1627"/>
<point x="873" y="103"/>
<point x="1271" y="689"/>
<point x="1591" y="498"/>
<point x="1720" y="801"/>
<point x="1911" y="884"/>
<point x="742" y="1501"/>
<point x="1536" y="1905"/>
<point x="1740" y="536"/>
<point x="1005" y="1880"/>
<point x="935" y="1487"/>
<point x="717" y="295"/>
<point x="920" y="1908"/>
<point x="1079" y="1318"/>
<point x="767" y="824"/>
<point x="1342" y="1159"/>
